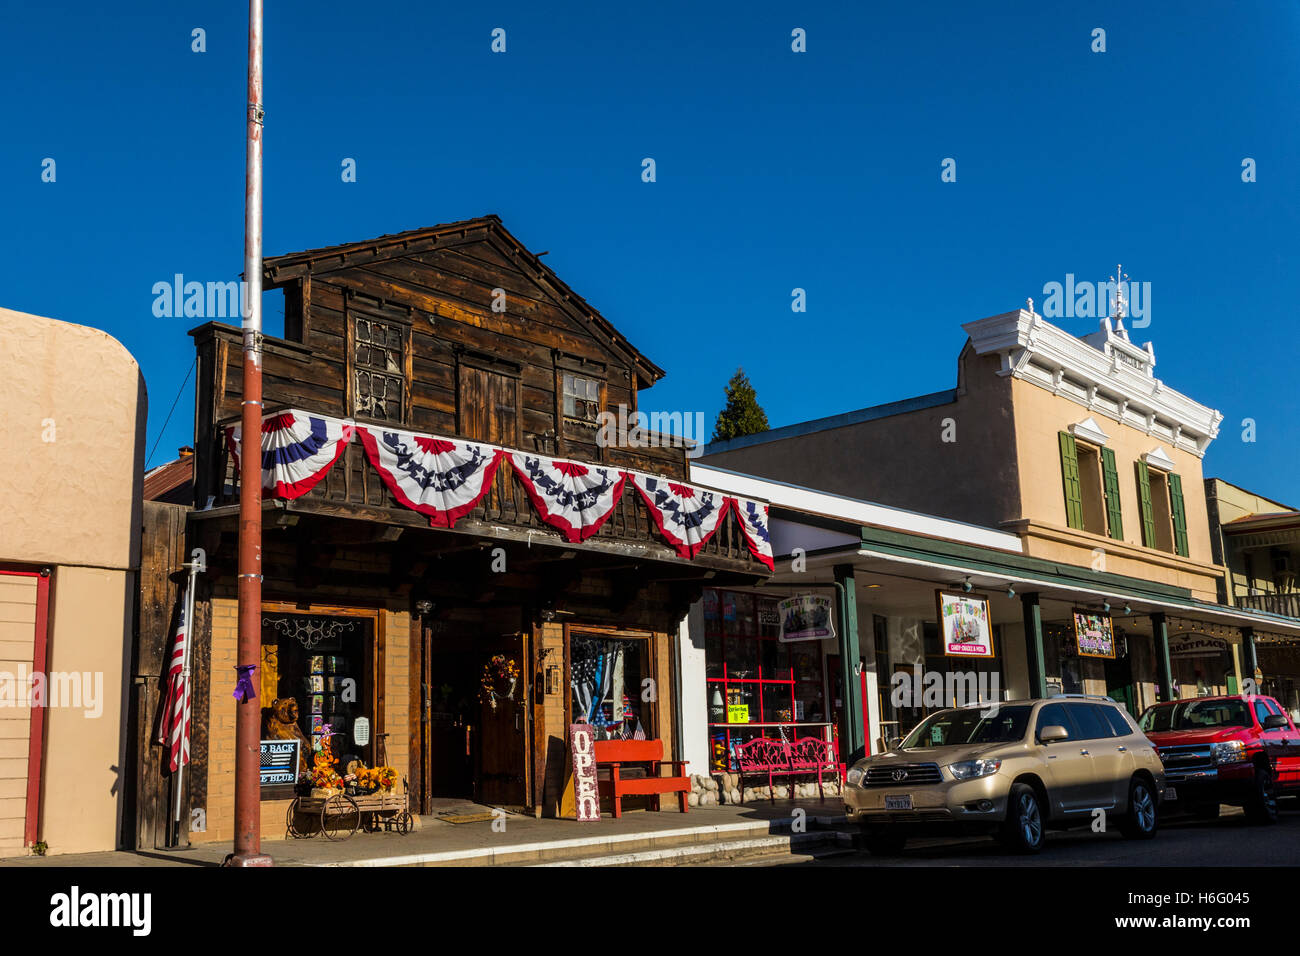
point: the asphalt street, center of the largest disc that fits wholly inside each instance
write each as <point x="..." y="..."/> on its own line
<point x="1181" y="842"/>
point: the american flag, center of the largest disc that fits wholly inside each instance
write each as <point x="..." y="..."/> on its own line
<point x="175" y="726"/>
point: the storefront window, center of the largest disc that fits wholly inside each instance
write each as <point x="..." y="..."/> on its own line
<point x="607" y="676"/>
<point x="321" y="663"/>
<point x="753" y="679"/>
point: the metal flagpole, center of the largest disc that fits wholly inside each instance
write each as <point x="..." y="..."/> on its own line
<point x="195" y="565"/>
<point x="248" y="713"/>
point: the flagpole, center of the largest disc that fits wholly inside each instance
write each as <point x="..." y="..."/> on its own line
<point x="195" y="566"/>
<point x="248" y="712"/>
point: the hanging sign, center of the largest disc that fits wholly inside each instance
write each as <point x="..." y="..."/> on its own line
<point x="280" y="761"/>
<point x="964" y="620"/>
<point x="805" y="618"/>
<point x="1094" y="634"/>
<point x="582" y="741"/>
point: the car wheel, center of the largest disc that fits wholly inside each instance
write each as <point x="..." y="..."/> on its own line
<point x="1026" y="826"/>
<point x="885" y="841"/>
<point x="1261" y="808"/>
<point x="1140" y="821"/>
<point x="1206" y="811"/>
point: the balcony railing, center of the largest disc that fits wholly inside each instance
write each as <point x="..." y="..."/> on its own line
<point x="353" y="488"/>
<point x="1287" y="604"/>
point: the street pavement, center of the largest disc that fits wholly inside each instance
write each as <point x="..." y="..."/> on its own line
<point x="1181" y="842"/>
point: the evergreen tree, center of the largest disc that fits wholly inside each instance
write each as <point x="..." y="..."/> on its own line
<point x="742" y="414"/>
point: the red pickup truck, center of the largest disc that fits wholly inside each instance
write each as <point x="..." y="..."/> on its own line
<point x="1242" y="750"/>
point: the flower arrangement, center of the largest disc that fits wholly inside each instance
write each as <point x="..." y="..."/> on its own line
<point x="498" y="672"/>
<point x="323" y="774"/>
<point x="376" y="778"/>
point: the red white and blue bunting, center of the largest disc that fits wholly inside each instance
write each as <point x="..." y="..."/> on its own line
<point x="442" y="478"/>
<point x="686" y="515"/>
<point x="445" y="479"/>
<point x="573" y="497"/>
<point x="298" y="450"/>
<point x="754" y="522"/>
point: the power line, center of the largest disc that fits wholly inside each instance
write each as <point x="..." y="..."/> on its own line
<point x="169" y="412"/>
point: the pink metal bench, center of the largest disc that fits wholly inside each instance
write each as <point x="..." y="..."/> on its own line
<point x="803" y="755"/>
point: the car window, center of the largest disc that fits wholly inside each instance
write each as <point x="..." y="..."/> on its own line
<point x="1157" y="718"/>
<point x="1271" y="704"/>
<point x="1050" y="714"/>
<point x="1092" y="725"/>
<point x="1119" y="727"/>
<point x="1196" y="715"/>
<point x="1261" y="712"/>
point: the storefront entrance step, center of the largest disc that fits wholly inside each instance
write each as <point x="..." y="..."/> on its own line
<point x="641" y="833"/>
<point x="813" y="843"/>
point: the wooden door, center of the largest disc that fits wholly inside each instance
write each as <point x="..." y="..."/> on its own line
<point x="489" y="406"/>
<point x="502" y="748"/>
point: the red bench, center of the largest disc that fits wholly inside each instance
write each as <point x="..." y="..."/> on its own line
<point x="768" y="755"/>
<point x="613" y="754"/>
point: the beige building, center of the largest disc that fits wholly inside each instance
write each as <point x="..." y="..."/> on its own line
<point x="1074" y="449"/>
<point x="71" y="456"/>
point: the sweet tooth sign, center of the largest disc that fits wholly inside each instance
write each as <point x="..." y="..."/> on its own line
<point x="586" y="794"/>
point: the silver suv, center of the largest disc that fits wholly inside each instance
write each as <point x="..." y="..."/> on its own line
<point x="1012" y="769"/>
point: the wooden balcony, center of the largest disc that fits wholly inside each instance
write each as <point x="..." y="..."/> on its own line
<point x="353" y="489"/>
<point x="1287" y="604"/>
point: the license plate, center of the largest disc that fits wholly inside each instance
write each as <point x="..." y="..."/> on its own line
<point x="1171" y="793"/>
<point x="899" y="803"/>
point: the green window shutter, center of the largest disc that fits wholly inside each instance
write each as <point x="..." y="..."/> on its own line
<point x="1070" y="480"/>
<point x="1144" y="501"/>
<point x="1114" y="519"/>
<point x="1179" y="513"/>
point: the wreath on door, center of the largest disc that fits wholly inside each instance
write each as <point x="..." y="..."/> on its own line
<point x="500" y="677"/>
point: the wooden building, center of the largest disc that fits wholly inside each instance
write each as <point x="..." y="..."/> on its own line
<point x="450" y="337"/>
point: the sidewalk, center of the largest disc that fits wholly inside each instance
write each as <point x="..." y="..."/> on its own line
<point x="525" y="840"/>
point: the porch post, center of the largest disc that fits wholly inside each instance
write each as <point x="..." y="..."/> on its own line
<point x="1033" y="619"/>
<point x="1249" y="660"/>
<point x="851" y="733"/>
<point x="1164" y="670"/>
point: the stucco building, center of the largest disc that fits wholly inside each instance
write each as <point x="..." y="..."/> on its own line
<point x="71" y="456"/>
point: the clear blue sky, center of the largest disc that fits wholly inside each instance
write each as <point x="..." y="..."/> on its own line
<point x="776" y="170"/>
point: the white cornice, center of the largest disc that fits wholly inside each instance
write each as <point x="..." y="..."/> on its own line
<point x="1112" y="377"/>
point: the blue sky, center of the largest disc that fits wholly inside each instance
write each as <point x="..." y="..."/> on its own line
<point x="775" y="170"/>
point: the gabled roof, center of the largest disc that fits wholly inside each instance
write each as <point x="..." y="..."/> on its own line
<point x="174" y="476"/>
<point x="277" y="270"/>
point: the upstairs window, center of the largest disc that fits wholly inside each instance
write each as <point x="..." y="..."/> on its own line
<point x="581" y="398"/>
<point x="1164" y="517"/>
<point x="378" y="369"/>
<point x="1091" y="484"/>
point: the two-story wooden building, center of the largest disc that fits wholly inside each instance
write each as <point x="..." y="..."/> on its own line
<point x="451" y="552"/>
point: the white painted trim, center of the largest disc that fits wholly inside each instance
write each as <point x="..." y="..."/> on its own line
<point x="1159" y="458"/>
<point x="1092" y="375"/>
<point x="798" y="498"/>
<point x="1089" y="430"/>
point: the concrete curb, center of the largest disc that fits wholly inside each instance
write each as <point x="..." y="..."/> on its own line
<point x="597" y="844"/>
<point x="695" y="853"/>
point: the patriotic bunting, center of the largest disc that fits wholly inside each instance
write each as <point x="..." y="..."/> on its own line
<point x="446" y="478"/>
<point x="438" y="477"/>
<point x="575" y="498"/>
<point x="753" y="521"/>
<point x="686" y="515"/>
<point x="298" y="450"/>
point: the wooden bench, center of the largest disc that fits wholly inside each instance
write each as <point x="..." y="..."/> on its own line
<point x="613" y="754"/>
<point x="772" y="756"/>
